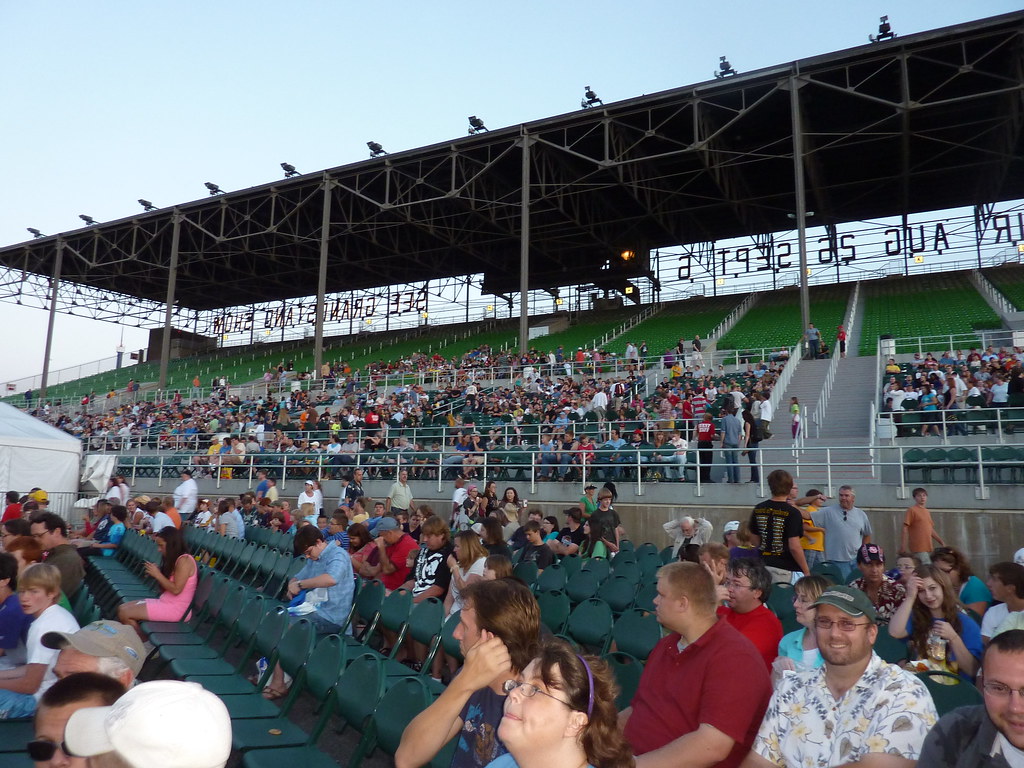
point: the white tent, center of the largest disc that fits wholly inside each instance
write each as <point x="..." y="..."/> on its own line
<point x="36" y="455"/>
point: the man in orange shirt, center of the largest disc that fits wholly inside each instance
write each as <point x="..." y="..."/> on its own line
<point x="918" y="529"/>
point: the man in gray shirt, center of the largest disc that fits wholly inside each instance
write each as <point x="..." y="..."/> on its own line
<point x="847" y="528"/>
<point x="732" y="429"/>
<point x="813" y="336"/>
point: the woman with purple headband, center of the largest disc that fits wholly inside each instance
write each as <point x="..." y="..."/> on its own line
<point x="560" y="713"/>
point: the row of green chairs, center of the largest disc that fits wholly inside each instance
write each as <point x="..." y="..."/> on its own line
<point x="258" y="567"/>
<point x="279" y="540"/>
<point x="1001" y="464"/>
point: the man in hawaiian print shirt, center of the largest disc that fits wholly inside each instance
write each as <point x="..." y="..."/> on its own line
<point x="855" y="710"/>
<point x="884" y="593"/>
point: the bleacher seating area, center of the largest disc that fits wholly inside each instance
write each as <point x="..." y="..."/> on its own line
<point x="924" y="305"/>
<point x="774" y="322"/>
<point x="678" y="320"/>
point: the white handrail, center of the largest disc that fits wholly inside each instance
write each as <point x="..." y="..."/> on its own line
<point x="784" y="378"/>
<point x="985" y="286"/>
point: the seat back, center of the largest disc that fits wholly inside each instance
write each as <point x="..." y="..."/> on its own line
<point x="425" y="620"/>
<point x="780" y="602"/>
<point x="294" y="648"/>
<point x="590" y="625"/>
<point x="527" y="571"/>
<point x="949" y="691"/>
<point x="359" y="689"/>
<point x="582" y="586"/>
<point x="599" y="566"/>
<point x="619" y="592"/>
<point x="552" y="577"/>
<point x="554" y="609"/>
<point x="636" y="633"/>
<point x="367" y="606"/>
<point x="627" y="671"/>
<point x="402" y="702"/>
<point x="448" y="641"/>
<point x="628" y="569"/>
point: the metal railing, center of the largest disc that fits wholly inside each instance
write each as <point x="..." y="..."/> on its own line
<point x="981" y="465"/>
<point x="955" y="422"/>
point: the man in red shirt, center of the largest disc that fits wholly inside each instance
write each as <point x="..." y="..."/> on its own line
<point x="704" y="689"/>
<point x="394" y="546"/>
<point x="13" y="509"/>
<point x="706" y="447"/>
<point x="749" y="583"/>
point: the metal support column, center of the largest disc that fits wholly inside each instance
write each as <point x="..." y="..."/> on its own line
<point x="172" y="278"/>
<point x="54" y="287"/>
<point x="524" y="251"/>
<point x="321" y="286"/>
<point x="801" y="203"/>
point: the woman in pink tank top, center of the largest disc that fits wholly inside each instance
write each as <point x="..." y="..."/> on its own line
<point x="177" y="577"/>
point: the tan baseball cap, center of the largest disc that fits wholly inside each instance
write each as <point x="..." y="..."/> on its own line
<point x="104" y="639"/>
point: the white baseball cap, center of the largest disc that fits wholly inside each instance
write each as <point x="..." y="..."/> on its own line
<point x="160" y="724"/>
<point x="731" y="527"/>
<point x="1018" y="556"/>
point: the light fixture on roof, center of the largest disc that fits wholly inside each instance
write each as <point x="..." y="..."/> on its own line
<point x="89" y="220"/>
<point x="724" y="68"/>
<point x="214" y="189"/>
<point x="884" y="31"/>
<point x="376" y="150"/>
<point x="35" y="232"/>
<point x="476" y="125"/>
<point x="146" y="205"/>
<point x="289" y="170"/>
<point x="590" y="99"/>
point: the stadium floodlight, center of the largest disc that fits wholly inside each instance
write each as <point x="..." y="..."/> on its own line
<point x="35" y="232"/>
<point x="724" y="68"/>
<point x="476" y="125"/>
<point x="146" y="205"/>
<point x="214" y="189"/>
<point x="884" y="31"/>
<point x="89" y="220"/>
<point x="376" y="150"/>
<point x="289" y="170"/>
<point x="590" y="99"/>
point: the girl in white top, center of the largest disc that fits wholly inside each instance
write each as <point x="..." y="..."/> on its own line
<point x="311" y="495"/>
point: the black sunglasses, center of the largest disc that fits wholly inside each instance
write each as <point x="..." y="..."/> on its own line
<point x="41" y="750"/>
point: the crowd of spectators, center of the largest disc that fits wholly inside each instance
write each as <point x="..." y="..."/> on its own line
<point x="955" y="381"/>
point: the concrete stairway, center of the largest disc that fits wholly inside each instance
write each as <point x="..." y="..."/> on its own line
<point x="845" y="432"/>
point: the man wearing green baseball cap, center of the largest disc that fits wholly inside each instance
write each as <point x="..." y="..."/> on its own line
<point x="854" y="708"/>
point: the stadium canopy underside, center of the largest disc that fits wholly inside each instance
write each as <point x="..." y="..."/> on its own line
<point x="920" y="123"/>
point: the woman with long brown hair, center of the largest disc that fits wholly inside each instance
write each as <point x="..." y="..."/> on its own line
<point x="936" y="627"/>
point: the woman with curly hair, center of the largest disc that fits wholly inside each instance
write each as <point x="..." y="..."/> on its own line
<point x="560" y="713"/>
<point x="935" y="625"/>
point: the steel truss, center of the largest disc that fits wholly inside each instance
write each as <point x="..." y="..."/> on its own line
<point x="924" y="122"/>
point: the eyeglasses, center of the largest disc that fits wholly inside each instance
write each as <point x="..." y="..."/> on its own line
<point x="844" y="624"/>
<point x="730" y="584"/>
<point x="1002" y="690"/>
<point x="529" y="691"/>
<point x="41" y="750"/>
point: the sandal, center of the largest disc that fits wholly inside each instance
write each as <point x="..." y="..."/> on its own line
<point x="272" y="694"/>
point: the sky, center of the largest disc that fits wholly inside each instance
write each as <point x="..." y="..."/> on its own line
<point x="110" y="102"/>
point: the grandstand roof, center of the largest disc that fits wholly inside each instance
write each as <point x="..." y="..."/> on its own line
<point x="923" y="122"/>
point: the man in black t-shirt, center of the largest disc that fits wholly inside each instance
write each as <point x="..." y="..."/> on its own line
<point x="535" y="550"/>
<point x="776" y="527"/>
<point x="518" y="540"/>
